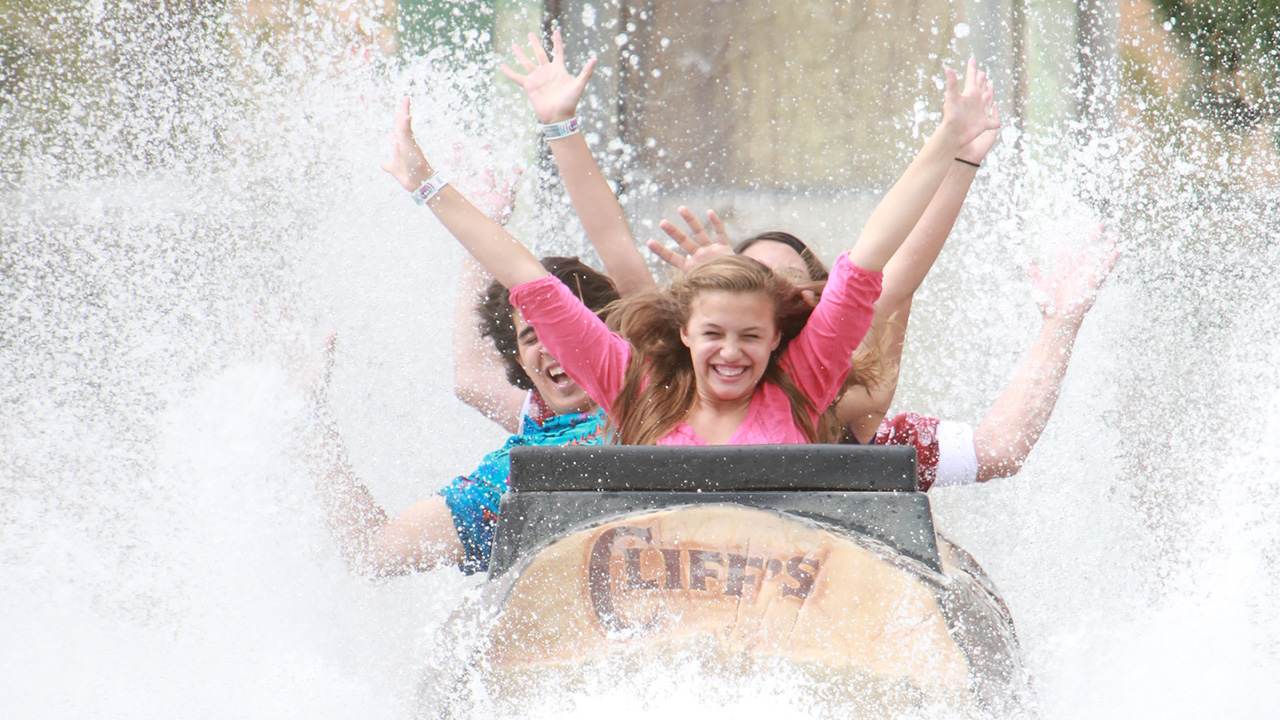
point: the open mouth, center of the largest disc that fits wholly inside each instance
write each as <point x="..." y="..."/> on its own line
<point x="729" y="372"/>
<point x="558" y="377"/>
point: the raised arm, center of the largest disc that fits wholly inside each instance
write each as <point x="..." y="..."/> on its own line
<point x="371" y="542"/>
<point x="495" y="249"/>
<point x="965" y="115"/>
<point x="554" y="95"/>
<point x="863" y="408"/>
<point x="1014" y="423"/>
<point x="479" y="375"/>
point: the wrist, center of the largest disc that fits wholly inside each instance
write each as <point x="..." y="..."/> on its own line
<point x="1059" y="322"/>
<point x="418" y="175"/>
<point x="429" y="188"/>
<point x="561" y="129"/>
<point x="557" y="115"/>
<point x="949" y="137"/>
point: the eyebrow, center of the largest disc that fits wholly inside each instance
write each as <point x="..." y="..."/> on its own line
<point x="714" y="326"/>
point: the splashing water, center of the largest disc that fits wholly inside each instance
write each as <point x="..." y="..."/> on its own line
<point x="179" y="194"/>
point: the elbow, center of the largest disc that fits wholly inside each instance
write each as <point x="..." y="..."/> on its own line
<point x="999" y="457"/>
<point x="461" y="391"/>
<point x="998" y="468"/>
<point x="893" y="300"/>
<point x="466" y="386"/>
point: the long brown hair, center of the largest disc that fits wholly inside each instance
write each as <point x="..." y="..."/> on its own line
<point x="659" y="387"/>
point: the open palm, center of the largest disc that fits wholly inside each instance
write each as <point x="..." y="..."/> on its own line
<point x="552" y="91"/>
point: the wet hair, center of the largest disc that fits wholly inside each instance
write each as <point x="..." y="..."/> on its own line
<point x="659" y="386"/>
<point x="593" y="288"/>
<point x="869" y="363"/>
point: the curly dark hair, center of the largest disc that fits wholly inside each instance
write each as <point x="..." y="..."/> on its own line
<point x="595" y="290"/>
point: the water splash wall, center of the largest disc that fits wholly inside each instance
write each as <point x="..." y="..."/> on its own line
<point x="182" y="194"/>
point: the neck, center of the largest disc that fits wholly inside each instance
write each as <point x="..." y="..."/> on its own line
<point x="705" y="403"/>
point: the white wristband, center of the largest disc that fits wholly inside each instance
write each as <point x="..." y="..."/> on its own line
<point x="564" y="128"/>
<point x="428" y="189"/>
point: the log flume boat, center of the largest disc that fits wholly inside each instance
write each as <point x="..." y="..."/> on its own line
<point x="818" y="563"/>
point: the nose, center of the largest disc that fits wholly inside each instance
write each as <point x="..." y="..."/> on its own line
<point x="730" y="350"/>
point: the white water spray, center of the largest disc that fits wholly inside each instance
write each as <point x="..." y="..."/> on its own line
<point x="167" y="181"/>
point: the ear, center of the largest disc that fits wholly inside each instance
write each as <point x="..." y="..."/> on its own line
<point x="777" y="340"/>
<point x="684" y="335"/>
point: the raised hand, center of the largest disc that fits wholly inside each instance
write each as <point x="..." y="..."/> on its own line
<point x="552" y="91"/>
<point x="699" y="248"/>
<point x="978" y="148"/>
<point x="408" y="165"/>
<point x="968" y="111"/>
<point x="1070" y="289"/>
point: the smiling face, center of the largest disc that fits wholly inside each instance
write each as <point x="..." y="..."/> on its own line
<point x="561" y="394"/>
<point x="730" y="336"/>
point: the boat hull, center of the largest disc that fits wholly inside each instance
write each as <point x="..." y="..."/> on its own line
<point x="739" y="589"/>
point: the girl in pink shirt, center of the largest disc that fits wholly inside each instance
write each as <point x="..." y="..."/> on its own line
<point x="726" y="355"/>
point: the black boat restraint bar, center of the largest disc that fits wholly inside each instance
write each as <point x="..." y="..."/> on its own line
<point x="868" y="490"/>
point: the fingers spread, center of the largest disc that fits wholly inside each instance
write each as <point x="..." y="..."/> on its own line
<point x="722" y="235"/>
<point x="670" y="256"/>
<point x="512" y="75"/>
<point x="557" y="46"/>
<point x="678" y="235"/>
<point x="970" y="75"/>
<point x="585" y="76"/>
<point x="692" y="221"/>
<point x="539" y="51"/>
<point x="524" y="60"/>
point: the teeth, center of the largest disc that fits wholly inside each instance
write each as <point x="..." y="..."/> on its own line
<point x="730" y="372"/>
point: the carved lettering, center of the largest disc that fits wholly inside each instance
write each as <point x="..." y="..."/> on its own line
<point x="731" y="578"/>
<point x="634" y="581"/>
<point x="671" y="562"/>
<point x="736" y="575"/>
<point x="698" y="570"/>
<point x="599" y="584"/>
<point x="804" y="579"/>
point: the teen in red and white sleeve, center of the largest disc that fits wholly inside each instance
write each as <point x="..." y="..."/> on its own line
<point x="952" y="453"/>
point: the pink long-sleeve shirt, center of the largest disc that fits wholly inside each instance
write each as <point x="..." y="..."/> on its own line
<point x="817" y="359"/>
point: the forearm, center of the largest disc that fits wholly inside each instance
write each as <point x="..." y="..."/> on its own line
<point x="908" y="267"/>
<point x="487" y="241"/>
<point x="903" y="275"/>
<point x="863" y="411"/>
<point x="351" y="512"/>
<point x="902" y="207"/>
<point x="601" y="215"/>
<point x="1013" y="424"/>
<point x="479" y="377"/>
